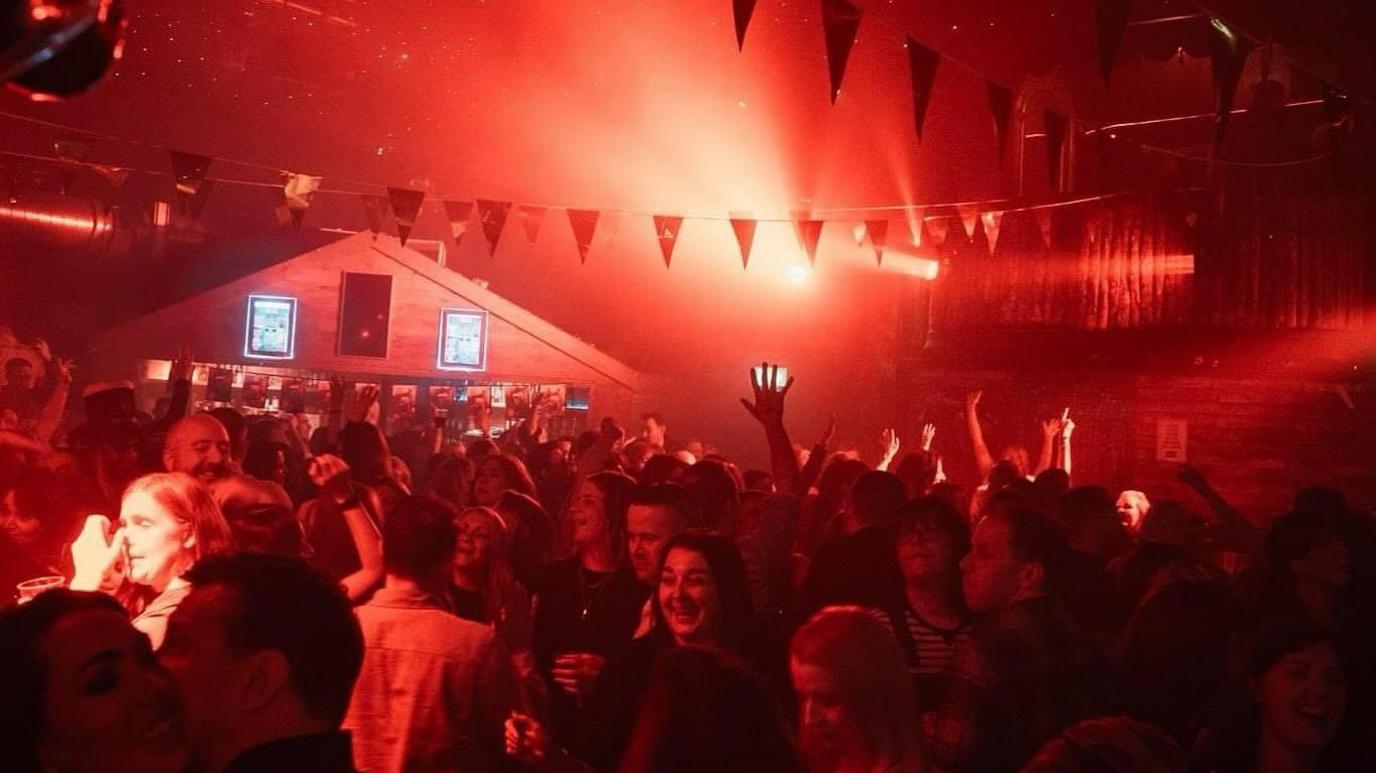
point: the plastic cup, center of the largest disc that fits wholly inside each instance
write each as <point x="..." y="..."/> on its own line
<point x="28" y="589"/>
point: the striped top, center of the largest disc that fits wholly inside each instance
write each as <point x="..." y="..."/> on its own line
<point x="934" y="646"/>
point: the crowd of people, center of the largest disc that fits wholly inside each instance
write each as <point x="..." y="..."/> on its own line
<point x="249" y="593"/>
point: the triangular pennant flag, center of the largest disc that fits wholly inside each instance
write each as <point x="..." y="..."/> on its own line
<point x="666" y="230"/>
<point x="196" y="202"/>
<point x="859" y="230"/>
<point x="406" y="207"/>
<point x="531" y="218"/>
<point x="745" y="236"/>
<point x="1227" y="53"/>
<point x="458" y="213"/>
<point x="879" y="237"/>
<point x="188" y="171"/>
<point x="584" y="222"/>
<point x="969" y="213"/>
<point x="1001" y="105"/>
<point x="72" y="151"/>
<point x="992" y="221"/>
<point x="375" y="209"/>
<point x="840" y="22"/>
<point x="1056" y="126"/>
<point x="1043" y="216"/>
<point x="937" y="228"/>
<point x="1111" y="19"/>
<point x="809" y="233"/>
<point x="742" y="10"/>
<point x="922" y="63"/>
<point x="492" y="215"/>
<point x="298" y="191"/>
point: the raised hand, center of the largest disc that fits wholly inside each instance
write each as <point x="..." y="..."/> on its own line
<point x="182" y="365"/>
<point x="98" y="561"/>
<point x="1052" y="427"/>
<point x="828" y="433"/>
<point x="41" y="346"/>
<point x="889" y="438"/>
<point x="337" y="387"/>
<point x="1067" y="428"/>
<point x="64" y="368"/>
<point x="768" y="408"/>
<point x="364" y="398"/>
<point x="331" y="475"/>
<point x="972" y="400"/>
<point x="928" y="434"/>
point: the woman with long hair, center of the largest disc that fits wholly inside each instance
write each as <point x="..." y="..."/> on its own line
<point x="168" y="522"/>
<point x="587" y="606"/>
<point x="856" y="708"/>
<point x="81" y="692"/>
<point x="498" y="473"/>
<point x="702" y="600"/>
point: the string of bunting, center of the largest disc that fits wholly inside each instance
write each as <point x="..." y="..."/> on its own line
<point x="841" y="20"/>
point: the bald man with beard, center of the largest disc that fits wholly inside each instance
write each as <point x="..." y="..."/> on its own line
<point x="199" y="446"/>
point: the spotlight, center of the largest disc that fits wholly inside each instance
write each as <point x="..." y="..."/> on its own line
<point x="54" y="49"/>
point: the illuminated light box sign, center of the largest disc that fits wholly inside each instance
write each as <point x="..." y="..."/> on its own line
<point x="780" y="378"/>
<point x="463" y="339"/>
<point x="270" y="330"/>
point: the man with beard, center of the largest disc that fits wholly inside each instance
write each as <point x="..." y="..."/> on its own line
<point x="199" y="446"/>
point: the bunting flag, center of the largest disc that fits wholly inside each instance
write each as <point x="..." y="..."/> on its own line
<point x="458" y="213"/>
<point x="375" y="209"/>
<point x="492" y="216"/>
<point x="969" y="214"/>
<point x="879" y="236"/>
<point x="858" y="230"/>
<point x="297" y="192"/>
<point x="1043" y="217"/>
<point x="406" y="207"/>
<point x="745" y="236"/>
<point x="992" y="222"/>
<point x="584" y="222"/>
<point x="531" y="218"/>
<point x="1111" y="19"/>
<point x="1227" y="53"/>
<point x="937" y="228"/>
<point x="1001" y="105"/>
<point x="1056" y="127"/>
<point x="666" y="230"/>
<point x="840" y="22"/>
<point x="742" y="10"/>
<point x="809" y="234"/>
<point x="189" y="170"/>
<point x="922" y="63"/>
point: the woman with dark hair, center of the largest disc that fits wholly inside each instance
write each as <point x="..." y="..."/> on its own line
<point x="452" y="481"/>
<point x="706" y="710"/>
<point x="717" y="494"/>
<point x="363" y="447"/>
<point x="703" y="599"/>
<point x="856" y="709"/>
<point x="498" y="473"/>
<point x="532" y="535"/>
<point x="80" y="691"/>
<point x="168" y="522"/>
<point x="1285" y="716"/>
<point x="930" y="619"/>
<point x="587" y="606"/>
